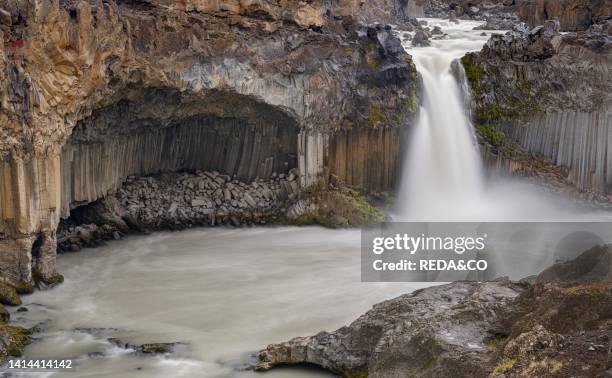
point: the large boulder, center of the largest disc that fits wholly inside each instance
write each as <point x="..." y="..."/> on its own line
<point x="594" y="265"/>
<point x="440" y="331"/>
<point x="555" y="327"/>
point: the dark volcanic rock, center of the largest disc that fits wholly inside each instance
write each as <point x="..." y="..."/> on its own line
<point x="534" y="90"/>
<point x="420" y="39"/>
<point x="574" y="15"/>
<point x="594" y="265"/>
<point x="434" y="330"/>
<point x="181" y="200"/>
<point x="463" y="329"/>
<point x="147" y="348"/>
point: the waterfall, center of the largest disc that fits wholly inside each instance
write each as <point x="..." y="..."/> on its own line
<point x="443" y="174"/>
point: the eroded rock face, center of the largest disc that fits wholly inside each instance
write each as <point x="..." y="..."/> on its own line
<point x="493" y="11"/>
<point x="434" y="330"/>
<point x="123" y="74"/>
<point x="468" y="329"/>
<point x="573" y="15"/>
<point x="550" y="93"/>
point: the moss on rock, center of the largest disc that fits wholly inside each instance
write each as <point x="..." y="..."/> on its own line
<point x="496" y="103"/>
<point x="8" y="295"/>
<point x="336" y="207"/>
<point x="492" y="135"/>
<point x="4" y="314"/>
<point x="13" y="340"/>
<point x="23" y="287"/>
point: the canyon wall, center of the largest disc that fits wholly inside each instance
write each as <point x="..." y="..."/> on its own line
<point x="573" y="15"/>
<point x="551" y="94"/>
<point x="366" y="158"/>
<point x="92" y="92"/>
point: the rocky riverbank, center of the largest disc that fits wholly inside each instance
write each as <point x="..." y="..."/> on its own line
<point x="556" y="324"/>
<point x="175" y="201"/>
<point x="13" y="338"/>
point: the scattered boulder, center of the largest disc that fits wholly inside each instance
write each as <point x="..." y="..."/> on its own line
<point x="13" y="340"/>
<point x="181" y="200"/>
<point x="147" y="348"/>
<point x="8" y="295"/>
<point x="420" y="39"/>
<point x="156" y="348"/>
<point x="437" y="30"/>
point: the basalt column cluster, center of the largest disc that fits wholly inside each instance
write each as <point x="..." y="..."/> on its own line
<point x="93" y="92"/>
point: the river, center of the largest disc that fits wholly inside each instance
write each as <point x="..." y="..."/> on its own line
<point x="226" y="293"/>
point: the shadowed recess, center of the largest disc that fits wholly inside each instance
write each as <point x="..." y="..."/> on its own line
<point x="161" y="130"/>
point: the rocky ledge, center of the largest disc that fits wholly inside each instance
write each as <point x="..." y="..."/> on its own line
<point x="174" y="201"/>
<point x="556" y="324"/>
<point x="539" y="92"/>
<point x="13" y="338"/>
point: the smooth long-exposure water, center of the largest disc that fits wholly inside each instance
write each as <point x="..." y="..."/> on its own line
<point x="443" y="171"/>
<point x="225" y="292"/>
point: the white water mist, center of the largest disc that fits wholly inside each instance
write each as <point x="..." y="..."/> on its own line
<point x="443" y="174"/>
<point x="443" y="177"/>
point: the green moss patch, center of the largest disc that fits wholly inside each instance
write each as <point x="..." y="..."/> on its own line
<point x="13" y="340"/>
<point x="8" y="295"/>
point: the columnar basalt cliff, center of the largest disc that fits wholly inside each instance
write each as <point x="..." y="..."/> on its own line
<point x="550" y="93"/>
<point x="573" y="15"/>
<point x="92" y="92"/>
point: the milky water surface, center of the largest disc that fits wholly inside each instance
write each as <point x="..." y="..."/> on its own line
<point x="226" y="293"/>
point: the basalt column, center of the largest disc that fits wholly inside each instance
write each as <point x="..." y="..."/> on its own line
<point x="367" y="159"/>
<point x="131" y="138"/>
<point x="30" y="201"/>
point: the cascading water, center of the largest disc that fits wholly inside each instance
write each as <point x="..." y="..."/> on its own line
<point x="443" y="170"/>
<point x="443" y="175"/>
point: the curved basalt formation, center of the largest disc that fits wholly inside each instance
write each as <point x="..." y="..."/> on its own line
<point x="560" y="324"/>
<point x="95" y="91"/>
<point x="550" y="93"/>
